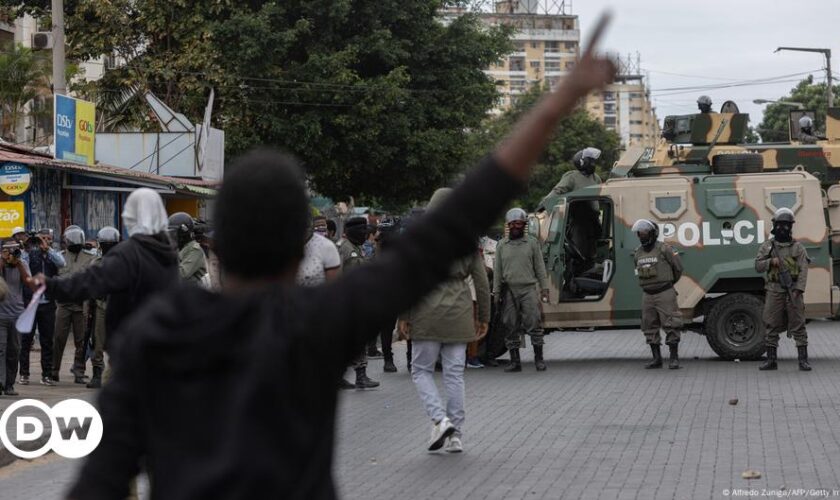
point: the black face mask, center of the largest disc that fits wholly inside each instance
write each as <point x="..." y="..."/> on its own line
<point x="105" y="247"/>
<point x="782" y="232"/>
<point x="74" y="248"/>
<point x="647" y="240"/>
<point x="357" y="235"/>
<point x="515" y="233"/>
<point x="588" y="167"/>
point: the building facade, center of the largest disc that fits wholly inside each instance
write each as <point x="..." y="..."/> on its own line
<point x="625" y="107"/>
<point x="547" y="44"/>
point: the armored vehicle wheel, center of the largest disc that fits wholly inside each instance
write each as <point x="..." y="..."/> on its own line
<point x="734" y="328"/>
<point x="739" y="163"/>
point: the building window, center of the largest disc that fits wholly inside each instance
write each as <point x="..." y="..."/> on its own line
<point x="552" y="46"/>
<point x="519" y="46"/>
<point x="534" y="45"/>
<point x="609" y="121"/>
<point x="517" y="85"/>
<point x="552" y="66"/>
<point x="635" y="108"/>
<point x="517" y="64"/>
<point x="635" y="122"/>
<point x="635" y="95"/>
<point x="609" y="107"/>
<point x="609" y="96"/>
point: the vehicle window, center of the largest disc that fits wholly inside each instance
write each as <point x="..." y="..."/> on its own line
<point x="667" y="205"/>
<point x="783" y="197"/>
<point x="725" y="202"/>
<point x="783" y="200"/>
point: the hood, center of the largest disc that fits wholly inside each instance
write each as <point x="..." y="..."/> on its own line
<point x="144" y="213"/>
<point x="438" y="197"/>
<point x="159" y="246"/>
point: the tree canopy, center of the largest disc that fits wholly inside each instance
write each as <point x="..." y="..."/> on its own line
<point x="376" y="97"/>
<point x="774" y="126"/>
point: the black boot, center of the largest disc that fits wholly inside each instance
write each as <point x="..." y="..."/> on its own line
<point x="803" y="358"/>
<point x="770" y="364"/>
<point x="674" y="363"/>
<point x="80" y="379"/>
<point x="515" y="363"/>
<point x="96" y="381"/>
<point x="362" y="380"/>
<point x="389" y="367"/>
<point x="538" y="358"/>
<point x="657" y="357"/>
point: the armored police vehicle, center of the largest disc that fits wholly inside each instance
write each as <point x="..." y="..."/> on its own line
<point x="713" y="199"/>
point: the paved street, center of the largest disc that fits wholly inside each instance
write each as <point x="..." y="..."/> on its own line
<point x="596" y="425"/>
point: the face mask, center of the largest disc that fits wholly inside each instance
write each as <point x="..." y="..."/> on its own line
<point x="516" y="233"/>
<point x="588" y="167"/>
<point x="647" y="240"/>
<point x="74" y="248"/>
<point x="106" y="246"/>
<point x="782" y="232"/>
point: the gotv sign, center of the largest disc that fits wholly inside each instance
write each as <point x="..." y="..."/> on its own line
<point x="14" y="178"/>
<point x="75" y="130"/>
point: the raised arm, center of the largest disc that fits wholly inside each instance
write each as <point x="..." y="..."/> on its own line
<point x="96" y="281"/>
<point x="368" y="298"/>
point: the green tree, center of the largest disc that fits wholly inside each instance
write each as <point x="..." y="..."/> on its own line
<point x="376" y="97"/>
<point x="775" y="125"/>
<point x="576" y="132"/>
<point x="24" y="77"/>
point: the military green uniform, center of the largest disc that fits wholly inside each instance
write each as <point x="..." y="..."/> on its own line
<point x="352" y="256"/>
<point x="518" y="270"/>
<point x="71" y="314"/>
<point x="571" y="181"/>
<point x="658" y="269"/>
<point x="192" y="264"/>
<point x="781" y="312"/>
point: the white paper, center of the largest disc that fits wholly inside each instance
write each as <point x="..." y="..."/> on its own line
<point x="26" y="320"/>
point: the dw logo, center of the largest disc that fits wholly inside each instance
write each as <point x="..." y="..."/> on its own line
<point x="75" y="428"/>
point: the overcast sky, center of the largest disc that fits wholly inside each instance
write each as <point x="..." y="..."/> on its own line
<point x="717" y="42"/>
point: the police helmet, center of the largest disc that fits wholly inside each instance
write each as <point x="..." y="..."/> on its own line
<point x="704" y="100"/>
<point x="646" y="225"/>
<point x="806" y="122"/>
<point x="515" y="214"/>
<point x="108" y="234"/>
<point x="181" y="222"/>
<point x="74" y="235"/>
<point x="784" y="215"/>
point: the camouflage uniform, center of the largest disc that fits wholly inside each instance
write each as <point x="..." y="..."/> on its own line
<point x="782" y="313"/>
<point x="658" y="270"/>
<point x="352" y="256"/>
<point x="571" y="181"/>
<point x="519" y="267"/>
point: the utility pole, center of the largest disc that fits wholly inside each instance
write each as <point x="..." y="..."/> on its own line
<point x="59" y="85"/>
<point x="827" y="54"/>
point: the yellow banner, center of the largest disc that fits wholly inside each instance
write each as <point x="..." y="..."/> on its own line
<point x="11" y="216"/>
<point x="85" y="130"/>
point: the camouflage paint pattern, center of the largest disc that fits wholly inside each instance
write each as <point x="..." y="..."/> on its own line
<point x="715" y="222"/>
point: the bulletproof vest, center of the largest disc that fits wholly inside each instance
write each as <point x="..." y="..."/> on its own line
<point x="784" y="251"/>
<point x="652" y="267"/>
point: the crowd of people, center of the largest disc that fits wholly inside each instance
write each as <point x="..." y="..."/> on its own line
<point x="80" y="272"/>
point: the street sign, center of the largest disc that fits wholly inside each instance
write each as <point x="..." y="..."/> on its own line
<point x="75" y="126"/>
<point x="14" y="178"/>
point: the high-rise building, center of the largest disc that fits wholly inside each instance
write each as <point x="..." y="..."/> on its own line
<point x="625" y="106"/>
<point x="546" y="40"/>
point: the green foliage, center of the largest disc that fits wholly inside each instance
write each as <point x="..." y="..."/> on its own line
<point x="574" y="133"/>
<point x="24" y="77"/>
<point x="775" y="125"/>
<point x="374" y="96"/>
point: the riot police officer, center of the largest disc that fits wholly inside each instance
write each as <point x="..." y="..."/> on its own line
<point x="806" y="131"/>
<point x="107" y="237"/>
<point x="519" y="269"/>
<point x="582" y="176"/>
<point x="704" y="104"/>
<point x="658" y="268"/>
<point x="192" y="264"/>
<point x="785" y="261"/>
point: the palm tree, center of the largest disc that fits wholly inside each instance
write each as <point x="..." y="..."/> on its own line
<point x="24" y="75"/>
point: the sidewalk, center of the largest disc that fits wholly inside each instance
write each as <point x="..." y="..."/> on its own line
<point x="65" y="389"/>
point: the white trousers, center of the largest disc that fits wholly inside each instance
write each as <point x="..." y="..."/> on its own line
<point x="453" y="357"/>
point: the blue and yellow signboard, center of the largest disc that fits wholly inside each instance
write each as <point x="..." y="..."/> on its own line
<point x="75" y="125"/>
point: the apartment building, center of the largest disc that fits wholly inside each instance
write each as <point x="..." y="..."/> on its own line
<point x="625" y="107"/>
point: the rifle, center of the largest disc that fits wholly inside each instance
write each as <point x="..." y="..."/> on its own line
<point x="785" y="279"/>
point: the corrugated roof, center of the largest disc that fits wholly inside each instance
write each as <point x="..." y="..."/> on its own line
<point x="34" y="158"/>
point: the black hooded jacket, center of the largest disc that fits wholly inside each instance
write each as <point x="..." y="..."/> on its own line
<point x="127" y="275"/>
<point x="234" y="395"/>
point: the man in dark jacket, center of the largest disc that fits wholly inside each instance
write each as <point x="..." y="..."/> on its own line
<point x="255" y="418"/>
<point x="143" y="264"/>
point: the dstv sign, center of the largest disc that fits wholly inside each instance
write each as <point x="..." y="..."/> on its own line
<point x="75" y="130"/>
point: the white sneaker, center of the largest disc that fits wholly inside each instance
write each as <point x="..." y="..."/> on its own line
<point x="440" y="431"/>
<point x="454" y="445"/>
